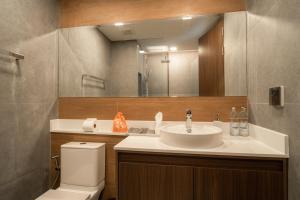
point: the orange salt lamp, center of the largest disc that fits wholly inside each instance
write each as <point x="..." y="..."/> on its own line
<point x="119" y="123"/>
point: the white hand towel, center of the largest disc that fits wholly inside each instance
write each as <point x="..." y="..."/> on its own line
<point x="158" y="122"/>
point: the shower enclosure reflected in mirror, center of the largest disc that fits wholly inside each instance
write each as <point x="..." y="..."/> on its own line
<point x="188" y="56"/>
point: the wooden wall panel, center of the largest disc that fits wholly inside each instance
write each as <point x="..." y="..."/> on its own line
<point x="95" y="12"/>
<point x="211" y="61"/>
<point x="57" y="139"/>
<point x="173" y="108"/>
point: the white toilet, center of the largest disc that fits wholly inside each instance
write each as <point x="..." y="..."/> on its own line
<point x="82" y="172"/>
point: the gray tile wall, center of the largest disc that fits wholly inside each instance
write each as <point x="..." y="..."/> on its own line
<point x="158" y="72"/>
<point x="83" y="50"/>
<point x="28" y="94"/>
<point x="235" y="67"/>
<point x="124" y="68"/>
<point x="184" y="74"/>
<point x="273" y="55"/>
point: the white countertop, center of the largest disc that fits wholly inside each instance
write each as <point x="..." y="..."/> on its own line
<point x="233" y="146"/>
<point x="262" y="142"/>
<point x="104" y="127"/>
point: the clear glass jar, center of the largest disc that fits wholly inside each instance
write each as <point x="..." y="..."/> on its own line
<point x="244" y="122"/>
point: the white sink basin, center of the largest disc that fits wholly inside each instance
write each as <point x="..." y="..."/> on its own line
<point x="202" y="136"/>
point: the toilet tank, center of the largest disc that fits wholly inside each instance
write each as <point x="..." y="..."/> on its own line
<point x="82" y="163"/>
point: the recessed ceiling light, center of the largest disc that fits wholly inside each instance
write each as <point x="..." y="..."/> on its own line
<point x="173" y="48"/>
<point x="141" y="51"/>
<point x="119" y="24"/>
<point x="187" y="17"/>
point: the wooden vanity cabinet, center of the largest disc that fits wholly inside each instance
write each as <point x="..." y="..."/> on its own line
<point x="154" y="181"/>
<point x="145" y="176"/>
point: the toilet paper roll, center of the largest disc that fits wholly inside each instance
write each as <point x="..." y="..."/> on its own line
<point x="89" y="125"/>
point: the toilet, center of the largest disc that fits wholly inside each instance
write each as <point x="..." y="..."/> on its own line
<point x="82" y="172"/>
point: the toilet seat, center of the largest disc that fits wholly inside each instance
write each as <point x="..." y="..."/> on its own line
<point x="64" y="195"/>
<point x="73" y="192"/>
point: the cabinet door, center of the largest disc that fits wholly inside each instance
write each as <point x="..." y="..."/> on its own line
<point x="139" y="181"/>
<point x="237" y="184"/>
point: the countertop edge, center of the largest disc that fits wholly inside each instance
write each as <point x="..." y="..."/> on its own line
<point x="202" y="153"/>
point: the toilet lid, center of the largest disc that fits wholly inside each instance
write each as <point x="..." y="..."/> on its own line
<point x="63" y="195"/>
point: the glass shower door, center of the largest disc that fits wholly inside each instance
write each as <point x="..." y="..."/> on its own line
<point x="156" y="70"/>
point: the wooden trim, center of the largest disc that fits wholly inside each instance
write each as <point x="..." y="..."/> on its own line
<point x="135" y="108"/>
<point x="285" y="179"/>
<point x="224" y="162"/>
<point x="117" y="175"/>
<point x="202" y="155"/>
<point x="95" y="12"/>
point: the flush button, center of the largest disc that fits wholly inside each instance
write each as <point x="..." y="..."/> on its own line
<point x="276" y="96"/>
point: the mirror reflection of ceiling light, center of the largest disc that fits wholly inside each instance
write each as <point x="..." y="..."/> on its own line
<point x="200" y="50"/>
<point x="119" y="24"/>
<point x="187" y="17"/>
<point x="141" y="52"/>
<point x="157" y="49"/>
<point x="173" y="48"/>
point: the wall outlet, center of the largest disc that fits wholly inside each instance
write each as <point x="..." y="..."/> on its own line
<point x="276" y="96"/>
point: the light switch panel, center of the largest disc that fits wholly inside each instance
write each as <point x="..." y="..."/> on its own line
<point x="276" y="96"/>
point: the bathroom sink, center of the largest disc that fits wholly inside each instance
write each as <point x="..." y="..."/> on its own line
<point x="202" y="136"/>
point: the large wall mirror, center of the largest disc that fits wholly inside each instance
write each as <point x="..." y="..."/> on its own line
<point x="188" y="56"/>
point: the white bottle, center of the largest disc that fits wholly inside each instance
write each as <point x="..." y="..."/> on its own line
<point x="243" y="116"/>
<point x="234" y="122"/>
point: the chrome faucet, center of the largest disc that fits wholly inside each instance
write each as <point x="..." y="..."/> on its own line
<point x="188" y="122"/>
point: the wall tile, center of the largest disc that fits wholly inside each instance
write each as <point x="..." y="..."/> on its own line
<point x="235" y="38"/>
<point x="29" y="143"/>
<point x="285" y="120"/>
<point x="27" y="96"/>
<point x="27" y="187"/>
<point x="273" y="49"/>
<point x="273" y="59"/>
<point x="83" y="50"/>
<point x="124" y="61"/>
<point x="36" y="81"/>
<point x="294" y="166"/>
<point x="8" y="131"/>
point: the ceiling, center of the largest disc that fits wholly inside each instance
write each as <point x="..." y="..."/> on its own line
<point x="183" y="34"/>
